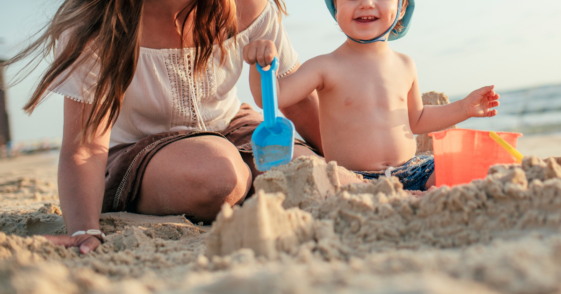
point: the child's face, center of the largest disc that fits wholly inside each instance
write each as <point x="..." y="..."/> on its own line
<point x="366" y="19"/>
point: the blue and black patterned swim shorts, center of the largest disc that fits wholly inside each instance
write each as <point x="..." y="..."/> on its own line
<point x="413" y="175"/>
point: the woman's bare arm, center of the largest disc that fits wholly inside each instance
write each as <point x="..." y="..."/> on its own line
<point x="81" y="179"/>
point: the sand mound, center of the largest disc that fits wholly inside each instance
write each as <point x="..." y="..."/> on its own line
<point x="381" y="216"/>
<point x="47" y="220"/>
<point x="306" y="183"/>
<point x="305" y="233"/>
<point x="17" y="192"/>
<point x="262" y="225"/>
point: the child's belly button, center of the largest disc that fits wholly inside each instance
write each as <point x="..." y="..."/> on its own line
<point x="386" y="164"/>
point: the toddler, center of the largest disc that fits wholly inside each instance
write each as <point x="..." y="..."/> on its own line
<point x="369" y="99"/>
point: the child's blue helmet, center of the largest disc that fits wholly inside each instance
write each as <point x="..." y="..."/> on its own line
<point x="406" y="21"/>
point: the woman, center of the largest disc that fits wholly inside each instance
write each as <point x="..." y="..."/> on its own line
<point x="152" y="124"/>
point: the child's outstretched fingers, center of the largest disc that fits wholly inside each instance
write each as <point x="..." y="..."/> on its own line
<point x="492" y="102"/>
<point x="492" y="112"/>
<point x="485" y="90"/>
<point x="480" y="103"/>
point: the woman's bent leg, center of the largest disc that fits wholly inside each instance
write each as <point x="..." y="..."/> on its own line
<point x="195" y="177"/>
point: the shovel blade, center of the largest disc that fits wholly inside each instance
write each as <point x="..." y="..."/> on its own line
<point x="273" y="146"/>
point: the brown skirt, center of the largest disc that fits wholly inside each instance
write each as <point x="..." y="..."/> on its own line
<point x="127" y="163"/>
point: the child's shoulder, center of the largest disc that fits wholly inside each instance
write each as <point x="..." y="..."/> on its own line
<point x="320" y="62"/>
<point x="405" y="59"/>
<point x="321" y="59"/>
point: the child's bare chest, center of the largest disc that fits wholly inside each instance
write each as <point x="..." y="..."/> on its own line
<point x="363" y="89"/>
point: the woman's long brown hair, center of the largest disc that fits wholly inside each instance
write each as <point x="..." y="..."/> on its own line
<point x="111" y="29"/>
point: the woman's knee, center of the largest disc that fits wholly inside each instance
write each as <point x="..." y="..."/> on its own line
<point x="195" y="177"/>
<point x="223" y="180"/>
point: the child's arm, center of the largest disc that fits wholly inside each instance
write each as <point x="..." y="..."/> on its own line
<point x="305" y="116"/>
<point x="426" y="119"/>
<point x="290" y="89"/>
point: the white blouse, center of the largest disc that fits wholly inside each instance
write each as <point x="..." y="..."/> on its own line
<point x="165" y="96"/>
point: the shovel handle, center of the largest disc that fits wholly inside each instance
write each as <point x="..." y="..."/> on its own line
<point x="269" y="93"/>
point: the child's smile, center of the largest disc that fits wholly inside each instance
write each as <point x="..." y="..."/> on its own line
<point x="366" y="19"/>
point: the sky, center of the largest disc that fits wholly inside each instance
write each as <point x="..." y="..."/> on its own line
<point x="458" y="46"/>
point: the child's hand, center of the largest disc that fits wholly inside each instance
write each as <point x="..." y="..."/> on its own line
<point x="480" y="102"/>
<point x="260" y="51"/>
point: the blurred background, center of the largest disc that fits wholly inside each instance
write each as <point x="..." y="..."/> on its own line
<point x="458" y="46"/>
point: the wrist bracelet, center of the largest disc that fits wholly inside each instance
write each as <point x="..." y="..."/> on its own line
<point x="96" y="233"/>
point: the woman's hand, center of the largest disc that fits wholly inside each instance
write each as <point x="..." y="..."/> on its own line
<point x="260" y="51"/>
<point x="86" y="243"/>
<point x="480" y="102"/>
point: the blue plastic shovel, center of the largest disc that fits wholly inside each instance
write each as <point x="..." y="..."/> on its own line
<point x="273" y="140"/>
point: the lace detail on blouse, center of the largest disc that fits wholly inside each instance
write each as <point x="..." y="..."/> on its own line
<point x="189" y="90"/>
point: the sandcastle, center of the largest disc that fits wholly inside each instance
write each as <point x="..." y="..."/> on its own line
<point x="262" y="225"/>
<point x="303" y="232"/>
<point x="381" y="216"/>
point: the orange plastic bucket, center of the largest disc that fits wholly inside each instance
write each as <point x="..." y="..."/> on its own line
<point x="462" y="156"/>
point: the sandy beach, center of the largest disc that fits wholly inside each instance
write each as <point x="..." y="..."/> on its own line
<point x="305" y="233"/>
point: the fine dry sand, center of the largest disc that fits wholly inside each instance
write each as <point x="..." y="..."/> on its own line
<point x="302" y="233"/>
